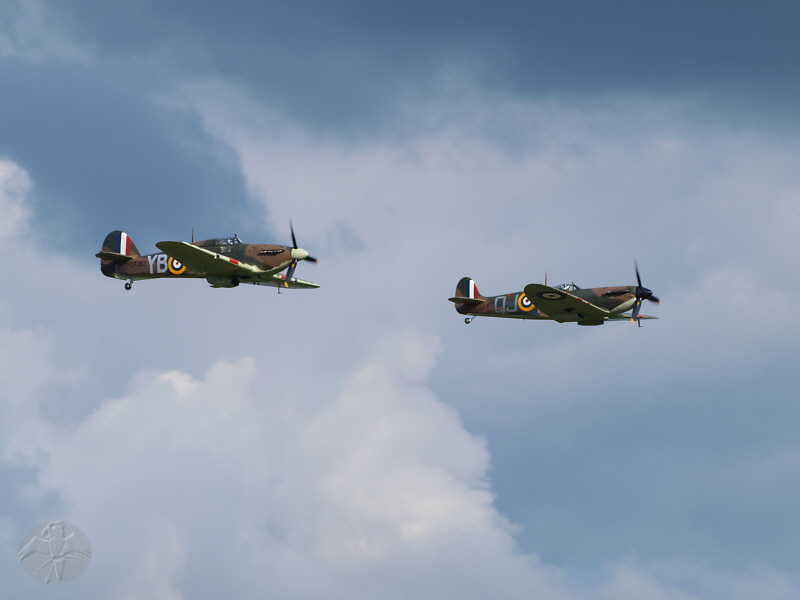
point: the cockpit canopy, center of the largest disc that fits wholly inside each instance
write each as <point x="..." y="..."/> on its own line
<point x="219" y="242"/>
<point x="567" y="287"/>
<point x="227" y="241"/>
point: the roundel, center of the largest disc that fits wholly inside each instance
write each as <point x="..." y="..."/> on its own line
<point x="552" y="295"/>
<point x="175" y="267"/>
<point x="525" y="304"/>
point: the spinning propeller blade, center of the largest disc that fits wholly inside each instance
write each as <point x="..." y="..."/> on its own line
<point x="298" y="254"/>
<point x="642" y="293"/>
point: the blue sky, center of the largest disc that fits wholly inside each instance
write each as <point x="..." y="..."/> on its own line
<point x="359" y="440"/>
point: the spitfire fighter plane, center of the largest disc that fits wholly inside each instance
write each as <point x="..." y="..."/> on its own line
<point x="223" y="262"/>
<point x="565" y="303"/>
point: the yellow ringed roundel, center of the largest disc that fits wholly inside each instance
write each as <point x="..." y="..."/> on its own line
<point x="175" y="267"/>
<point x="524" y="304"/>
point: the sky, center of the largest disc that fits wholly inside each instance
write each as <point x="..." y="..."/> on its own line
<point x="359" y="440"/>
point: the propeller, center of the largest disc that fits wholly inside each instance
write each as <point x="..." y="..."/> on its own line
<point x="642" y="293"/>
<point x="298" y="254"/>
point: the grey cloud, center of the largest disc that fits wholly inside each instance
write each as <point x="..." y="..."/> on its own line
<point x="342" y="66"/>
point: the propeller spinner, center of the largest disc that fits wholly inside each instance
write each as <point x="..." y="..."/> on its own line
<point x="298" y="254"/>
<point x="642" y="293"/>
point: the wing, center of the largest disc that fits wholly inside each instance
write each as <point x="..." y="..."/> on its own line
<point x="562" y="306"/>
<point x="627" y="317"/>
<point x="207" y="262"/>
<point x="279" y="281"/>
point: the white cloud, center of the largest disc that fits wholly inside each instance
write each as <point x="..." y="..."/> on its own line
<point x="376" y="491"/>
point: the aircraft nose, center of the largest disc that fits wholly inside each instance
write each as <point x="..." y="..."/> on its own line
<point x="299" y="254"/>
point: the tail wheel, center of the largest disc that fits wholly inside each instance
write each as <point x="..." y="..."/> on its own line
<point x="128" y="285"/>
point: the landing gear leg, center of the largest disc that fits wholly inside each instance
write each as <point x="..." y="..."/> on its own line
<point x="129" y="284"/>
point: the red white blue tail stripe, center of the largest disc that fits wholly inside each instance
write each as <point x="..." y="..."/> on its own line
<point x="123" y="244"/>
<point x="472" y="290"/>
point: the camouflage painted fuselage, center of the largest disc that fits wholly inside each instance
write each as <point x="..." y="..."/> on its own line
<point x="517" y="306"/>
<point x="120" y="259"/>
<point x="565" y="304"/>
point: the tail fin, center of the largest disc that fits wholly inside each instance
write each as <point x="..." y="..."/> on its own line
<point x="467" y="288"/>
<point x="118" y="248"/>
<point x="467" y="293"/>
<point x="120" y="243"/>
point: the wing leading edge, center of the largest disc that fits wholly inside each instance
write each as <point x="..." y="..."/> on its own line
<point x="213" y="264"/>
<point x="562" y="306"/>
<point x="207" y="262"/>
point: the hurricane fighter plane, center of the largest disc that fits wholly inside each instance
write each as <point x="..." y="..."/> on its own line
<point x="223" y="262"/>
<point x="566" y="303"/>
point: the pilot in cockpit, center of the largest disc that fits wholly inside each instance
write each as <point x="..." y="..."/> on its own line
<point x="567" y="287"/>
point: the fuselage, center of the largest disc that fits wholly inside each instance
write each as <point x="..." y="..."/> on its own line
<point x="269" y="257"/>
<point x="516" y="305"/>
